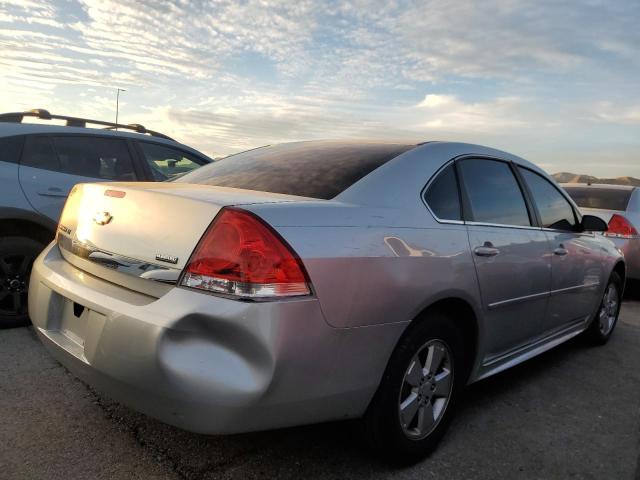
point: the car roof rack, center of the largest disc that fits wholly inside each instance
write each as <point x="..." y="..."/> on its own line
<point x="17" y="117"/>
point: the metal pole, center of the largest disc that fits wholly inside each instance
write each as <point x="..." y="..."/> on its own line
<point x="118" y="103"/>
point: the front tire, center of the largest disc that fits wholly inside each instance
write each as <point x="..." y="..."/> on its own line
<point x="606" y="318"/>
<point x="16" y="259"/>
<point x="416" y="398"/>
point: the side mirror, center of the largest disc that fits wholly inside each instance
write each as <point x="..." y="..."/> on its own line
<point x="591" y="223"/>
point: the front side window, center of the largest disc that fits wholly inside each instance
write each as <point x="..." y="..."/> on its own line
<point x="493" y="193"/>
<point x="88" y="156"/>
<point x="555" y="211"/>
<point x="167" y="163"/>
<point x="442" y="195"/>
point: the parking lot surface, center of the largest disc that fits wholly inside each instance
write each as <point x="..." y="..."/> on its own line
<point x="573" y="412"/>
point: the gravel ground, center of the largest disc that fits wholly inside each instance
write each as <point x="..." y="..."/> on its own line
<point x="573" y="412"/>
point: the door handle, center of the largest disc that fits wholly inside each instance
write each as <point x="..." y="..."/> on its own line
<point x="53" y="192"/>
<point x="486" y="250"/>
<point x="560" y="251"/>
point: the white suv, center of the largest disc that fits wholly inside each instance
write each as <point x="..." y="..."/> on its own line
<point x="39" y="164"/>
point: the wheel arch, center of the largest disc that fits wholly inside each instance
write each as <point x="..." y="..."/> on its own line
<point x="621" y="269"/>
<point x="464" y="317"/>
<point x="17" y="222"/>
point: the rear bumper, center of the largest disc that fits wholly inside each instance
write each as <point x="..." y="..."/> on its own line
<point x="205" y="363"/>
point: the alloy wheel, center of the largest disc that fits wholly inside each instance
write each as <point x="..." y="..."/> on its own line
<point x="608" y="310"/>
<point x="14" y="283"/>
<point x="426" y="389"/>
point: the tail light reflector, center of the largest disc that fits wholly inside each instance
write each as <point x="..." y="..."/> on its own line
<point x="241" y="255"/>
<point x="620" y="227"/>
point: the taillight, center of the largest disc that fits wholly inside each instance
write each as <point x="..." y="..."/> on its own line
<point x="620" y="227"/>
<point x="241" y="255"/>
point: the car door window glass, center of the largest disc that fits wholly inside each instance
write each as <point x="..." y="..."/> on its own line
<point x="88" y="156"/>
<point x="38" y="152"/>
<point x="555" y="211"/>
<point x="442" y="195"/>
<point x="167" y="163"/>
<point x="493" y="192"/>
<point x="10" y="148"/>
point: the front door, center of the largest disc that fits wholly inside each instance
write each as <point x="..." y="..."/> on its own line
<point x="576" y="263"/>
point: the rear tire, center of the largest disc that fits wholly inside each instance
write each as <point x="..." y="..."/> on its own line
<point x="606" y="317"/>
<point x="397" y="424"/>
<point x="16" y="259"/>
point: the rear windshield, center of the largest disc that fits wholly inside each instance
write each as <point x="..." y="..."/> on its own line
<point x="308" y="169"/>
<point x="602" y="198"/>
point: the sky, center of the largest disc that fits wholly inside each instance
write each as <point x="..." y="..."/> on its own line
<point x="555" y="82"/>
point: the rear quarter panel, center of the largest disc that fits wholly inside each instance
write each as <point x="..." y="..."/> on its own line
<point x="378" y="275"/>
<point x="374" y="254"/>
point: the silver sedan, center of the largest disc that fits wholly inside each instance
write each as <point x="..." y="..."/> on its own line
<point x="316" y="281"/>
<point x="619" y="206"/>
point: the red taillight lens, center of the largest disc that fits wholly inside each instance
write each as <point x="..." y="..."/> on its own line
<point x="620" y="227"/>
<point x="240" y="255"/>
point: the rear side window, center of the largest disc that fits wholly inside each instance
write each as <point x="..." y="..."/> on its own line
<point x="87" y="156"/>
<point x="10" y="148"/>
<point x="106" y="158"/>
<point x="555" y="211"/>
<point x="493" y="192"/>
<point x="443" y="197"/>
<point x="167" y="163"/>
<point x="39" y="153"/>
<point x="603" y="198"/>
<point x="309" y="169"/>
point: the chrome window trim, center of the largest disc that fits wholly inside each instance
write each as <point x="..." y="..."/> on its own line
<point x="499" y="225"/>
<point x="513" y="165"/>
<point x="502" y="225"/>
<point x="556" y="230"/>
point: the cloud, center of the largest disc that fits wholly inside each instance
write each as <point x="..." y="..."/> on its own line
<point x="451" y="114"/>
<point x="624" y="114"/>
<point x="432" y="100"/>
<point x="224" y="75"/>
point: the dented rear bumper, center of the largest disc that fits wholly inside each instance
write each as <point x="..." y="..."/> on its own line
<point x="205" y="363"/>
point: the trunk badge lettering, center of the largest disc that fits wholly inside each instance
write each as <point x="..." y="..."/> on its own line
<point x="166" y="258"/>
<point x="102" y="218"/>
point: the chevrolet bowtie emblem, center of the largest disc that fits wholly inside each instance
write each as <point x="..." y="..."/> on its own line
<point x="102" y="218"/>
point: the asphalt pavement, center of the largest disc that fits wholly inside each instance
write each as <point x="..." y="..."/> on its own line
<point x="573" y="412"/>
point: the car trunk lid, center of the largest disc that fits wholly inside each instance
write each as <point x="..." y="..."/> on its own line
<point x="140" y="235"/>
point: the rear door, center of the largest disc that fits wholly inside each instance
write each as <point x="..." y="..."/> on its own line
<point x="577" y="266"/>
<point x="511" y="254"/>
<point x="52" y="164"/>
